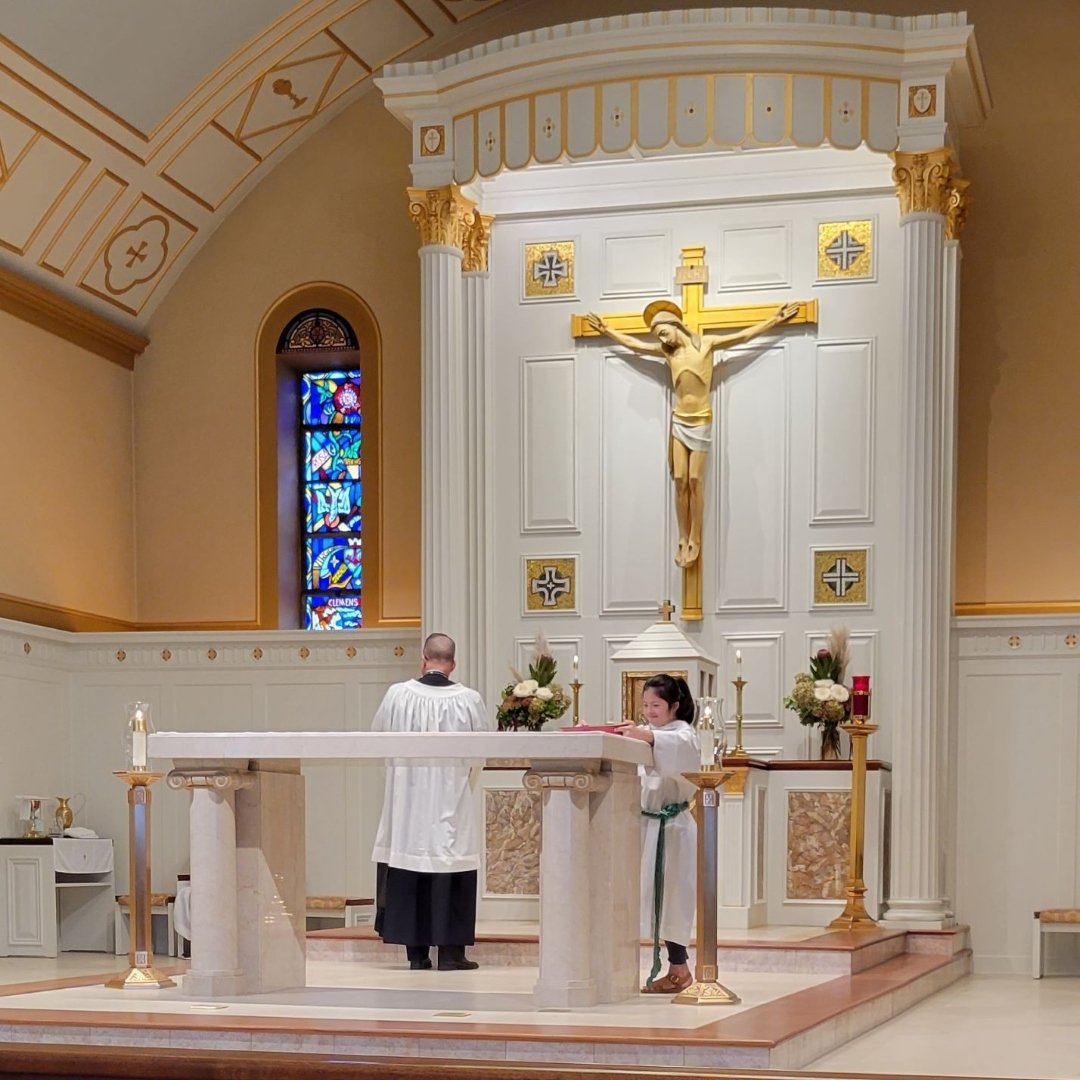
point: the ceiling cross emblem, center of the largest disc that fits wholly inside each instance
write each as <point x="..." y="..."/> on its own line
<point x="136" y="254"/>
<point x="284" y="87"/>
<point x="550" y="585"/>
<point x="550" y="269"/>
<point x="840" y="577"/>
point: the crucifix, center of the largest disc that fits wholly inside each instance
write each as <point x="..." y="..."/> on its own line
<point x="686" y="341"/>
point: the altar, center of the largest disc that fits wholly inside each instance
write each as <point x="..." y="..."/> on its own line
<point x="248" y="850"/>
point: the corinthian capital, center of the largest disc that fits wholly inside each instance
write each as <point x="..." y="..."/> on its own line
<point x="477" y="242"/>
<point x="923" y="180"/>
<point x="956" y="209"/>
<point x="441" y="215"/>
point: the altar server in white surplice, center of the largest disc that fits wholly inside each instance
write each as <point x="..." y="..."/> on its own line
<point x="668" y="829"/>
<point x="427" y="848"/>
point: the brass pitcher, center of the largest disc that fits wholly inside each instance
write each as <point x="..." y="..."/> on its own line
<point x="63" y="815"/>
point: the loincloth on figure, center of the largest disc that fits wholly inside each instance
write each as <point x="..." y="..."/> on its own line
<point x="697" y="438"/>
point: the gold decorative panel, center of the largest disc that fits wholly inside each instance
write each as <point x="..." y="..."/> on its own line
<point x="845" y="250"/>
<point x="818" y="825"/>
<point x="511" y="843"/>
<point x="551" y="584"/>
<point x="922" y="100"/>
<point x="841" y="577"/>
<point x="549" y="270"/>
<point x="633" y="686"/>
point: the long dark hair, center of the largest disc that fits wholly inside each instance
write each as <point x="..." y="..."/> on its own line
<point x="674" y="691"/>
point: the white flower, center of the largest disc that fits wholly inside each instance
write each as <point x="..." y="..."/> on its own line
<point x="839" y="693"/>
<point x="526" y="688"/>
<point x="544" y="693"/>
<point x="827" y="683"/>
<point x="822" y="693"/>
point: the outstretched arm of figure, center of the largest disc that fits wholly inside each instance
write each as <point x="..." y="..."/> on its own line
<point x="644" y="348"/>
<point x="720" y="341"/>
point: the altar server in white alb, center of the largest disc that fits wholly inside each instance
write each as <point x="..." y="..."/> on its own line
<point x="668" y="829"/>
<point x="427" y="849"/>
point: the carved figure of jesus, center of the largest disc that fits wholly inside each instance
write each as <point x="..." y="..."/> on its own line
<point x="691" y="363"/>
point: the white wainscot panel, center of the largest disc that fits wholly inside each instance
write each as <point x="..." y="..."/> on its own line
<point x="635" y="496"/>
<point x="757" y="257"/>
<point x="636" y="265"/>
<point x="752" y="521"/>
<point x="214" y="706"/>
<point x="843" y="455"/>
<point x="548" y="444"/>
<point x="763" y="669"/>
<point x="612" y="693"/>
<point x="1016" y="826"/>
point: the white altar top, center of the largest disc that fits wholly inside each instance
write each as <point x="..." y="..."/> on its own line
<point x="491" y="746"/>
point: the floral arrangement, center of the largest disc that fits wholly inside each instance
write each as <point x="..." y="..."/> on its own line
<point x="528" y="704"/>
<point x="819" y="695"/>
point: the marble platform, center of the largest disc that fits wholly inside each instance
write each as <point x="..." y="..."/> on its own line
<point x="379" y="1007"/>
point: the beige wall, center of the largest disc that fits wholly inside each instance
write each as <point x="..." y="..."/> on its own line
<point x="333" y="211"/>
<point x="67" y="530"/>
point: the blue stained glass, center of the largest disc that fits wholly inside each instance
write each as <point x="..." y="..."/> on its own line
<point x="333" y="563"/>
<point x="332" y="397"/>
<point x="332" y="507"/>
<point x="332" y="455"/>
<point x="323" y="611"/>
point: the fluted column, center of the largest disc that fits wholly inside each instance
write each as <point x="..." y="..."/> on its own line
<point x="917" y="873"/>
<point x="443" y="217"/>
<point x="476" y="286"/>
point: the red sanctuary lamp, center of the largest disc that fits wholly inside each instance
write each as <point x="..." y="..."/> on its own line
<point x="860" y="699"/>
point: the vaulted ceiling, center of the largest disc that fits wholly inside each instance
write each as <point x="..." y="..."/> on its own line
<point x="129" y="128"/>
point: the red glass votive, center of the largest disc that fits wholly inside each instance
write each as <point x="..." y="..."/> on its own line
<point x="860" y="696"/>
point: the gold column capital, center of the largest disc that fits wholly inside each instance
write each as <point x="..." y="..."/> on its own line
<point x="477" y="242"/>
<point x="923" y="180"/>
<point x="956" y="208"/>
<point x="442" y="215"/>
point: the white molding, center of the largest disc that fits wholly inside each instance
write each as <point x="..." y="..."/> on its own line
<point x="867" y="515"/>
<point x="661" y="287"/>
<point x="747" y="642"/>
<point x="752" y="286"/>
<point x="572" y="524"/>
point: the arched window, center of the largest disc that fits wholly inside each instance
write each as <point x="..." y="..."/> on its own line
<point x="318" y="461"/>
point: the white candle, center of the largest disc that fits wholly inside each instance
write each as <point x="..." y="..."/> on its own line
<point x="138" y="749"/>
<point x="738" y="658"/>
<point x="575" y="665"/>
<point x="707" y="739"/>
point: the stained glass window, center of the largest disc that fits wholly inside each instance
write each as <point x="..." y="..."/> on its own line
<point x="314" y="330"/>
<point x="331" y="440"/>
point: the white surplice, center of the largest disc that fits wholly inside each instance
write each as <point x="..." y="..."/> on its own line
<point x="428" y="821"/>
<point x="675" y="751"/>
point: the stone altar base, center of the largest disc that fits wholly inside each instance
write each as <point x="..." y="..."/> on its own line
<point x="366" y="1007"/>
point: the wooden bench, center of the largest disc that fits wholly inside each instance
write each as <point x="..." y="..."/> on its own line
<point x="161" y="904"/>
<point x="1051" y="921"/>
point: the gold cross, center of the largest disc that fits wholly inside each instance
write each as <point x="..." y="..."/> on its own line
<point x="136" y="256"/>
<point x="692" y="275"/>
<point x="666" y="610"/>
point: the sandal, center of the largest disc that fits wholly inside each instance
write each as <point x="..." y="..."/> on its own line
<point x="669" y="984"/>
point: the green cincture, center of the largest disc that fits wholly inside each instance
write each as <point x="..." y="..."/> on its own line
<point x="663" y="815"/>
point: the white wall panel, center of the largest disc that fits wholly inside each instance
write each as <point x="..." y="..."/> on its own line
<point x="548" y="430"/>
<point x="753" y="445"/>
<point x="763" y="668"/>
<point x="755" y="257"/>
<point x="636" y="265"/>
<point x="843" y="437"/>
<point x="634" y="501"/>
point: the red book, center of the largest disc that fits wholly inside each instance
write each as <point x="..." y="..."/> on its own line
<point x="611" y="729"/>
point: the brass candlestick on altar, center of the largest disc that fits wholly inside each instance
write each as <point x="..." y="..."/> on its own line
<point x="739" y="751"/>
<point x="706" y="990"/>
<point x="576" y="686"/>
<point x="854" y="916"/>
<point x="141" y="972"/>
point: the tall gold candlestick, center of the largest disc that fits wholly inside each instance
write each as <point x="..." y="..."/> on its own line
<point x="706" y="990"/>
<point x="854" y="916"/>
<point x="739" y="751"/>
<point x="141" y="972"/>
<point x="576" y="686"/>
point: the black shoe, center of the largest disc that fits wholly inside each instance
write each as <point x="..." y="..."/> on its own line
<point x="458" y="965"/>
<point x="421" y="965"/>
